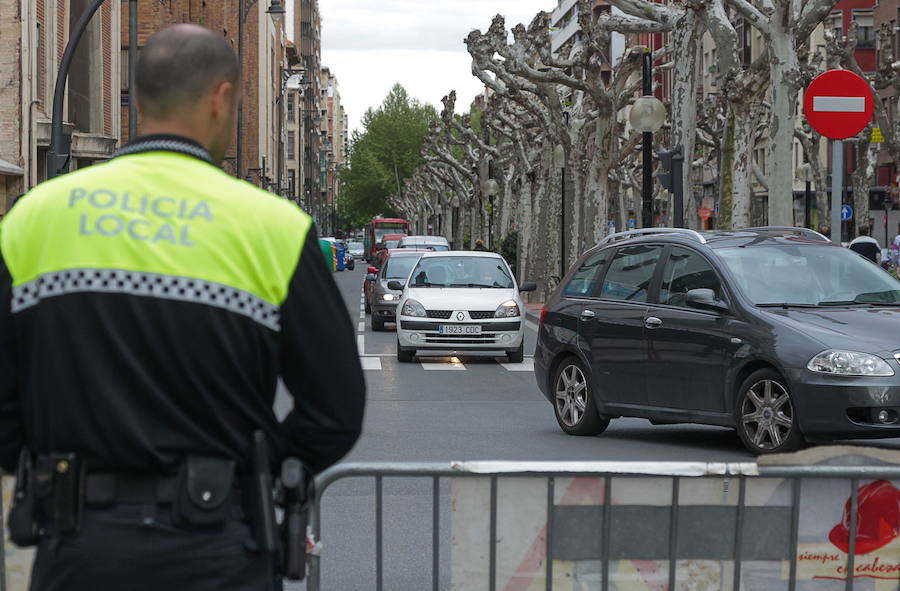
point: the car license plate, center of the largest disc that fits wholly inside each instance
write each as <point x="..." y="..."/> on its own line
<point x="459" y="329"/>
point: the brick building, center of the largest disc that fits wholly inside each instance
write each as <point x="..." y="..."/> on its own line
<point x="334" y="138"/>
<point x="33" y="37"/>
<point x="262" y="60"/>
<point x="308" y="34"/>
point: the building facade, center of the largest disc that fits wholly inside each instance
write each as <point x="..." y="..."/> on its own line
<point x="33" y="37"/>
<point x="262" y="55"/>
<point x="334" y="141"/>
<point x="307" y="34"/>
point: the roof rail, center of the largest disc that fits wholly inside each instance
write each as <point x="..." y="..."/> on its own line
<point x="650" y="231"/>
<point x="788" y="230"/>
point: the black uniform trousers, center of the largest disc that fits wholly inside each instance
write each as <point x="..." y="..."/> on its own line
<point x="136" y="548"/>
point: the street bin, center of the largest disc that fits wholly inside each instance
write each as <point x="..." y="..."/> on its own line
<point x="339" y="253"/>
<point x="328" y="253"/>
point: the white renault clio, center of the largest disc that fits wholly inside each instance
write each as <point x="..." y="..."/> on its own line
<point x="460" y="301"/>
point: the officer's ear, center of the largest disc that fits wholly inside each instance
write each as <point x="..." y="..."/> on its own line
<point x="224" y="100"/>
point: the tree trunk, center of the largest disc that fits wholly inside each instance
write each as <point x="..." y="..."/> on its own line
<point x="686" y="35"/>
<point x="734" y="209"/>
<point x="784" y="74"/>
<point x="861" y="179"/>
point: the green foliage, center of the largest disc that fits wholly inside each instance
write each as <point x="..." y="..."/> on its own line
<point x="383" y="155"/>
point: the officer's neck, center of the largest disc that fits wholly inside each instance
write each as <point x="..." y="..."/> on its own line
<point x="175" y="128"/>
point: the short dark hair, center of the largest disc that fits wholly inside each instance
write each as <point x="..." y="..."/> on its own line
<point x="864" y="230"/>
<point x="178" y="65"/>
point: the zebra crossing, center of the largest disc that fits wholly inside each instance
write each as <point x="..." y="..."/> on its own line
<point x="381" y="362"/>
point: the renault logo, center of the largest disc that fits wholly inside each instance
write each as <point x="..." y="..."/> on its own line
<point x="460" y="316"/>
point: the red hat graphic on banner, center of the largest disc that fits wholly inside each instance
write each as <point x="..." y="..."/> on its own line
<point x="878" y="520"/>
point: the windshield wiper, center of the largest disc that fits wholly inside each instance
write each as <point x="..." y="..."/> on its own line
<point x="786" y="305"/>
<point x="468" y="285"/>
<point x="841" y="303"/>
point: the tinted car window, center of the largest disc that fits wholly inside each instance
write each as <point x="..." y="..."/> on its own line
<point x="686" y="270"/>
<point x="630" y="273"/>
<point x="584" y="277"/>
<point x="808" y="274"/>
<point x="398" y="267"/>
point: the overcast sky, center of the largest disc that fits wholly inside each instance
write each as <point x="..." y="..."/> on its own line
<point x="371" y="44"/>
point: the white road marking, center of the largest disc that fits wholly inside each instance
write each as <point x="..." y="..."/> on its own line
<point x="442" y="364"/>
<point x="361" y="327"/>
<point x="361" y="343"/>
<point x="839" y="104"/>
<point x="531" y="325"/>
<point x="526" y="365"/>
<point x="373" y="363"/>
<point x="362" y="315"/>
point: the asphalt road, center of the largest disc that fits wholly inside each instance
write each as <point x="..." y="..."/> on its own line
<point x="437" y="409"/>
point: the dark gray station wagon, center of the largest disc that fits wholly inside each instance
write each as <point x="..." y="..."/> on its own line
<point x="775" y="332"/>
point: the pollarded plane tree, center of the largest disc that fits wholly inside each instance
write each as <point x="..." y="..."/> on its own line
<point x="786" y="26"/>
<point x="684" y="25"/>
<point x="577" y="98"/>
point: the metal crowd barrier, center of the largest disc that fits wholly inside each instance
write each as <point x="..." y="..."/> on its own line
<point x="738" y="473"/>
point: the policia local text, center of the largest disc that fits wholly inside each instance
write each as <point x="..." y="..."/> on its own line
<point x="153" y="211"/>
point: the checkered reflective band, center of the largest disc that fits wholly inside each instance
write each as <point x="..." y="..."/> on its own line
<point x="170" y="287"/>
<point x="140" y="146"/>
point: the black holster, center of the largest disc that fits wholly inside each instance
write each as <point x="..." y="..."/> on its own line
<point x="296" y="483"/>
<point x="49" y="498"/>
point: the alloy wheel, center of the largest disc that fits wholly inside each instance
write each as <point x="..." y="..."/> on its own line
<point x="767" y="415"/>
<point x="571" y="395"/>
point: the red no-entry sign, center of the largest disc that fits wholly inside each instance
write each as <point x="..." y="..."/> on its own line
<point x="838" y="104"/>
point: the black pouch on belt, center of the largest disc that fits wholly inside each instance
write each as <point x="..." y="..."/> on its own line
<point x="203" y="492"/>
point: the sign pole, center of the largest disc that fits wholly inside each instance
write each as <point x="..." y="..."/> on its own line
<point x="837" y="187"/>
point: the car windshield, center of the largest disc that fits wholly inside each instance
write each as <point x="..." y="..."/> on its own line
<point x="398" y="267"/>
<point x="461" y="271"/>
<point x="808" y="275"/>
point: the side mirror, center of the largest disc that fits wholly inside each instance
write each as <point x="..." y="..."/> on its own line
<point x="372" y="270"/>
<point x="705" y="299"/>
<point x="527" y="286"/>
<point x="370" y="277"/>
<point x="395" y="285"/>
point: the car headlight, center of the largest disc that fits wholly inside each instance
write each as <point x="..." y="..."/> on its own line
<point x="849" y="363"/>
<point x="389" y="297"/>
<point x="508" y="309"/>
<point x="414" y="308"/>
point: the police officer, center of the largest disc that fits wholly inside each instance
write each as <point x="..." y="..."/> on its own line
<point x="148" y="307"/>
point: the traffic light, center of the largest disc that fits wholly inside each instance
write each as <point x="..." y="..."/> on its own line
<point x="670" y="177"/>
<point x="665" y="173"/>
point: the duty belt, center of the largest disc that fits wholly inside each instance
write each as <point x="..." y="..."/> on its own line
<point x="106" y="489"/>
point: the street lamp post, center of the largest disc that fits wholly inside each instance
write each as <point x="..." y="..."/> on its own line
<point x="559" y="161"/>
<point x="647" y="115"/>
<point x="60" y="142"/>
<point x="490" y="187"/>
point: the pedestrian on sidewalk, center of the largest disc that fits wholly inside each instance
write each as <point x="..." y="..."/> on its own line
<point x="148" y="308"/>
<point x="479" y="245"/>
<point x="866" y="246"/>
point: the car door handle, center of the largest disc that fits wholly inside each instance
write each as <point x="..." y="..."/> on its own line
<point x="652" y="322"/>
<point x="587" y="315"/>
